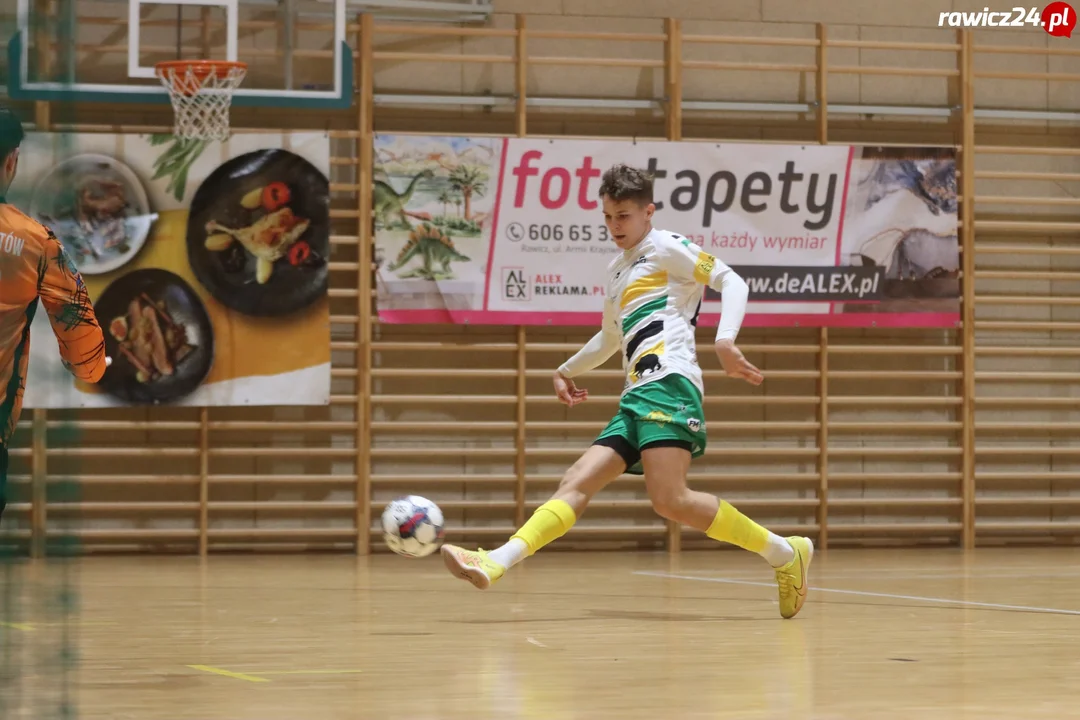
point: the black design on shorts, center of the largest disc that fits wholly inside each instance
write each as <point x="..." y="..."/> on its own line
<point x="651" y="330"/>
<point x="647" y="364"/>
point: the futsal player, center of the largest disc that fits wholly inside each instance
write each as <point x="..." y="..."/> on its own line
<point x="33" y="265"/>
<point x="654" y="292"/>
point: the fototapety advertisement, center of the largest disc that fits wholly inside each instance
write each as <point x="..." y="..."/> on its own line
<point x="511" y="230"/>
<point x="206" y="263"/>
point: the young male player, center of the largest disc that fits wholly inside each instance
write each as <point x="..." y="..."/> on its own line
<point x="33" y="265"/>
<point x="654" y="293"/>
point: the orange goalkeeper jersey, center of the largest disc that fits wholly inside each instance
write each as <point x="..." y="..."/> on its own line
<point x="33" y="265"/>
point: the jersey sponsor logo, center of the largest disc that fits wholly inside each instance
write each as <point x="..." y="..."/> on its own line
<point x="646" y="364"/>
<point x="659" y="417"/>
<point x="693" y="423"/>
<point x="704" y="267"/>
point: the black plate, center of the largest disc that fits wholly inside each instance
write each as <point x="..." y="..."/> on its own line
<point x="230" y="275"/>
<point x="185" y="308"/>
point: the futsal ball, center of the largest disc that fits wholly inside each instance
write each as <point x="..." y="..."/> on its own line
<point x="412" y="526"/>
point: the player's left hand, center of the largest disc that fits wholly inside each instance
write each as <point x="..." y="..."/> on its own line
<point x="735" y="365"/>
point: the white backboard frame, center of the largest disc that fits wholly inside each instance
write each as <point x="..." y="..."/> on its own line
<point x="337" y="97"/>
<point x="232" y="20"/>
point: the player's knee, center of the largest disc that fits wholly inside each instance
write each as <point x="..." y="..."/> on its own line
<point x="670" y="503"/>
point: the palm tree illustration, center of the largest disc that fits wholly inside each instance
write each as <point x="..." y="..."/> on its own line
<point x="469" y="180"/>
<point x="445" y="198"/>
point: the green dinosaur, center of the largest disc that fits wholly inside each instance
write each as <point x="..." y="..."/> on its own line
<point x="387" y="202"/>
<point x="434" y="248"/>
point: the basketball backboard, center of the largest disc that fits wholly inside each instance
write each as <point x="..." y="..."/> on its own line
<point x="296" y="50"/>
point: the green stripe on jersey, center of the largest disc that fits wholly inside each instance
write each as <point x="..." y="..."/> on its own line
<point x="643" y="312"/>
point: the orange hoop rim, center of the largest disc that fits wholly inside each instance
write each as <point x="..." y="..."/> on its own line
<point x="201" y="68"/>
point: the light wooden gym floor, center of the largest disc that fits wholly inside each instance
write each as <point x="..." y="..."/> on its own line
<point x="922" y="634"/>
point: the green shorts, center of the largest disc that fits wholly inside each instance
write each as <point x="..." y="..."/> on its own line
<point x="663" y="413"/>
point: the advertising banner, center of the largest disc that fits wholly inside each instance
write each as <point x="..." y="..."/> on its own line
<point x="511" y="231"/>
<point x="206" y="263"/>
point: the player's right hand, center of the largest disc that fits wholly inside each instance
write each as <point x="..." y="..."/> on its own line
<point x="568" y="393"/>
<point x="735" y="364"/>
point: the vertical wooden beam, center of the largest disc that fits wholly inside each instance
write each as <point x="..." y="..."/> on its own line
<point x="967" y="236"/>
<point x="823" y="439"/>
<point x="39" y="479"/>
<point x="521" y="78"/>
<point x="365" y="152"/>
<point x="519" y="440"/>
<point x="521" y="60"/>
<point x="673" y="107"/>
<point x="822" y="81"/>
<point x="204" y="31"/>
<point x="673" y="77"/>
<point x="39" y="476"/>
<point x="204" y="480"/>
<point x="822" y="117"/>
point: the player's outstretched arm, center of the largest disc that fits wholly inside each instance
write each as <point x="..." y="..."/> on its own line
<point x="686" y="260"/>
<point x="600" y="347"/>
<point x="64" y="296"/>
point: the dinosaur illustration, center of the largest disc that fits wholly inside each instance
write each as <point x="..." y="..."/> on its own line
<point x="387" y="202"/>
<point x="434" y="249"/>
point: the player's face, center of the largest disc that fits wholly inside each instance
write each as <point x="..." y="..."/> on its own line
<point x="627" y="221"/>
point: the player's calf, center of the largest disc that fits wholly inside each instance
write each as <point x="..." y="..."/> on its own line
<point x="596" y="467"/>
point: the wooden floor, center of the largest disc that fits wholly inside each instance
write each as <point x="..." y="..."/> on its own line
<point x="924" y="634"/>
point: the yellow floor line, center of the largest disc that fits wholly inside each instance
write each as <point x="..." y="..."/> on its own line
<point x="310" y="672"/>
<point x="228" y="673"/>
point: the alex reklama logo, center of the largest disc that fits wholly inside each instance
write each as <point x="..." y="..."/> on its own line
<point x="1057" y="18"/>
<point x="517" y="286"/>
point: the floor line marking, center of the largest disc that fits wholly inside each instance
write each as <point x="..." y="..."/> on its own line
<point x="25" y="627"/>
<point x="228" y="673"/>
<point x="864" y="593"/>
<point x="886" y="575"/>
<point x="308" y="672"/>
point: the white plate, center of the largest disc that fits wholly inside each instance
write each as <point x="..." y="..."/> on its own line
<point x="137" y="223"/>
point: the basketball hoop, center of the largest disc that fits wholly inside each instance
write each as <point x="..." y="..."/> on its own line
<point x="201" y="94"/>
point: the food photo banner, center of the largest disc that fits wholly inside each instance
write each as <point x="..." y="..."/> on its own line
<point x="206" y="263"/>
<point x="511" y="231"/>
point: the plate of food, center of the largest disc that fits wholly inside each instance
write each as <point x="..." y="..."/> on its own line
<point x="158" y="334"/>
<point x="97" y="207"/>
<point x="258" y="236"/>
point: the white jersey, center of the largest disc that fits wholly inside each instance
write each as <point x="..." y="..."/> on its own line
<point x="653" y="297"/>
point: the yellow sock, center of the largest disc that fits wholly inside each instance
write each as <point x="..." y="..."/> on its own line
<point x="550" y="522"/>
<point x="732" y="526"/>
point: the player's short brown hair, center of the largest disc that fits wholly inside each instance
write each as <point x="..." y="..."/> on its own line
<point x="11" y="132"/>
<point x="622" y="182"/>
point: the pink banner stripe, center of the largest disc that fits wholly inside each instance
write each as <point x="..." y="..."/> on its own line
<point x="495" y="220"/>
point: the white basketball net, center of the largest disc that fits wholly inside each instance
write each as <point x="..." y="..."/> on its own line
<point x="201" y="96"/>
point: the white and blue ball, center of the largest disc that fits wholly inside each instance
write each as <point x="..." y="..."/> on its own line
<point x="413" y="526"/>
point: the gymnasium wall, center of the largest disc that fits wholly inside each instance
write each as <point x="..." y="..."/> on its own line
<point x="856" y="437"/>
